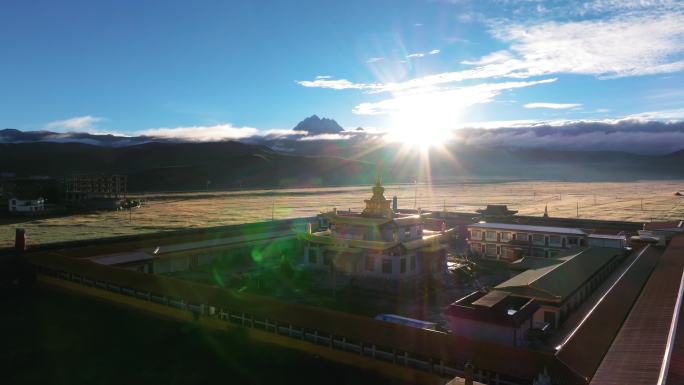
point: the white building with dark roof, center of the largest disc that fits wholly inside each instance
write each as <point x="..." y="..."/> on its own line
<point x="26" y="206"/>
<point x="509" y="242"/>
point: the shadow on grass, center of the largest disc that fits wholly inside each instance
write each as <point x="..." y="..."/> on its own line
<point x="56" y="338"/>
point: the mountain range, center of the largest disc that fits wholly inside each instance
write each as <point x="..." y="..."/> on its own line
<point x="168" y="164"/>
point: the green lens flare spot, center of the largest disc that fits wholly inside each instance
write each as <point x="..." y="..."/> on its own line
<point x="257" y="256"/>
<point x="217" y="277"/>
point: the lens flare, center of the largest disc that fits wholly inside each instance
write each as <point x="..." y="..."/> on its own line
<point x="424" y="121"/>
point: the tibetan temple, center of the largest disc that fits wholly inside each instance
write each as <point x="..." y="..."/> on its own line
<point x="377" y="247"/>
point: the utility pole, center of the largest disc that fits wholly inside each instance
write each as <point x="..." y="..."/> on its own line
<point x="273" y="210"/>
<point x="577" y="209"/>
<point x="332" y="270"/>
<point x="642" y="204"/>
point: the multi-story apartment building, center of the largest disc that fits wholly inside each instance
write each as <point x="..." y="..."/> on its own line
<point x="511" y="241"/>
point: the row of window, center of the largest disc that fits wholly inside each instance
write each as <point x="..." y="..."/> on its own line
<point x="493" y="250"/>
<point x="537" y="239"/>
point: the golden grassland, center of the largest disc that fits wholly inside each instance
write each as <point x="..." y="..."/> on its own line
<point x="630" y="201"/>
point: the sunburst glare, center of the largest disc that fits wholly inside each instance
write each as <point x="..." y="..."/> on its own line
<point x="424" y="121"/>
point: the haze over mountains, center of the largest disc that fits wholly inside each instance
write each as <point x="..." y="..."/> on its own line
<point x="320" y="152"/>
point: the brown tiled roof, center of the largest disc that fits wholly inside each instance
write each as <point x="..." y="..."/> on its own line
<point x="584" y="349"/>
<point x="636" y="355"/>
<point x="675" y="373"/>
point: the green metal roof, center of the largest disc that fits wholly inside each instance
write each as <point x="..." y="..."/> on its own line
<point x="556" y="282"/>
<point x="527" y="263"/>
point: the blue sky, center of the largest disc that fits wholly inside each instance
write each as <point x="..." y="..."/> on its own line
<point x="245" y="67"/>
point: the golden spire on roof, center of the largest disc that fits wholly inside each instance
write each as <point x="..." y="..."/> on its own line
<point x="378" y="205"/>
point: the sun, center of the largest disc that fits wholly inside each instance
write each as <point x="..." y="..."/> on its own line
<point x="423" y="122"/>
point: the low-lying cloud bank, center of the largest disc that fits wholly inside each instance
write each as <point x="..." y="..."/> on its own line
<point x="213" y="133"/>
<point x="634" y="134"/>
<point x="631" y="135"/>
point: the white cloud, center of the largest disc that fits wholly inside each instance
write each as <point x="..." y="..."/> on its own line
<point x="79" y="123"/>
<point x="622" y="46"/>
<point x="374" y="60"/>
<point x="528" y="9"/>
<point x="434" y="52"/>
<point x="493" y="124"/>
<point x="441" y="100"/>
<point x="441" y="79"/>
<point x="629" y="46"/>
<point x="553" y="106"/>
<point x="337" y="84"/>
<point x="323" y="77"/>
<point x="602" y="6"/>
<point x="625" y="44"/>
<point x="664" y="115"/>
<point x="618" y="47"/>
<point x="371" y="130"/>
<point x="466" y="17"/>
<point x="202" y="133"/>
<point x="324" y="137"/>
<point x="280" y="132"/>
<point x="494" y="57"/>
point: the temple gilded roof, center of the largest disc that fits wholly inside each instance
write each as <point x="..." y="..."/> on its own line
<point x="378" y="206"/>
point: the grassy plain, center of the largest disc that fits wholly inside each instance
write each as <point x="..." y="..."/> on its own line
<point x="632" y="201"/>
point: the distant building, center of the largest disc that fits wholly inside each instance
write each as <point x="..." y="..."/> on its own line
<point x="96" y="191"/>
<point x="511" y="241"/>
<point x="658" y="235"/>
<point x="496" y="211"/>
<point x="378" y="245"/>
<point x="21" y="206"/>
<point x="31" y="188"/>
<point x="607" y="240"/>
